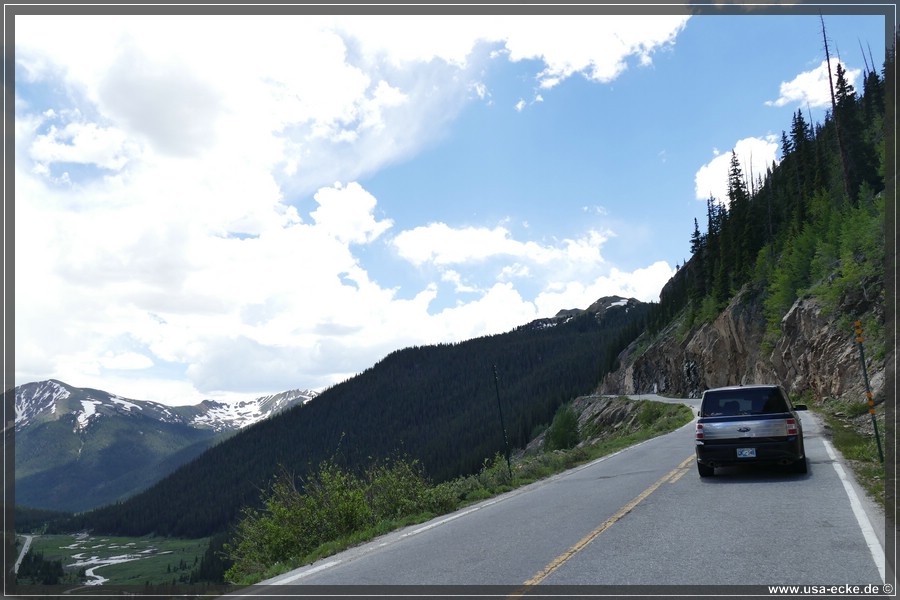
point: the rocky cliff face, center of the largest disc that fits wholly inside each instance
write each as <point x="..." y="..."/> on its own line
<point x="815" y="354"/>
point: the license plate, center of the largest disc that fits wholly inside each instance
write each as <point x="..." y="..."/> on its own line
<point x="746" y="452"/>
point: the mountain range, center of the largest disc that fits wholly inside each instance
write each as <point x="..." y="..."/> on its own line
<point x="80" y="448"/>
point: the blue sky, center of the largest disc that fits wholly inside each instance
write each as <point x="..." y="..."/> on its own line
<point x="205" y="219"/>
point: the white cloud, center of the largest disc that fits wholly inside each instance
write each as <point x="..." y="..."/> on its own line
<point x="367" y="100"/>
<point x="598" y="48"/>
<point x="497" y="310"/>
<point x="346" y="213"/>
<point x="125" y="361"/>
<point x="811" y="88"/>
<point x="514" y="271"/>
<point x="755" y="156"/>
<point x="560" y="269"/>
<point x="81" y="143"/>
<point x="442" y="245"/>
<point x="643" y="284"/>
<point x="157" y="221"/>
<point x="456" y="279"/>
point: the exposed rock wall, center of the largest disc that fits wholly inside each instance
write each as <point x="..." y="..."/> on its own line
<point x="813" y="355"/>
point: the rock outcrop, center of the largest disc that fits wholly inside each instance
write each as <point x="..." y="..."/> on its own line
<point x="815" y="355"/>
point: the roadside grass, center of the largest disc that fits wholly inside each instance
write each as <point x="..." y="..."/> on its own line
<point x="653" y="419"/>
<point x="843" y="421"/>
<point x="495" y="477"/>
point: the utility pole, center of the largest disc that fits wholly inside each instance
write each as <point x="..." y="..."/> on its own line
<point x="502" y="425"/>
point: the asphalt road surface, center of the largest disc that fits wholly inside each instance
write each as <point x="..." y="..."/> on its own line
<point x="641" y="517"/>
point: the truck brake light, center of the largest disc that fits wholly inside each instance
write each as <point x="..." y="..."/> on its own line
<point x="791" y="426"/>
<point x="699" y="431"/>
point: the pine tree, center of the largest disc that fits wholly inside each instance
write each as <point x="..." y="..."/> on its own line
<point x="696" y="239"/>
<point x="801" y="137"/>
<point x="740" y="221"/>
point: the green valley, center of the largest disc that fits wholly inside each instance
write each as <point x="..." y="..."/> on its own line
<point x="146" y="561"/>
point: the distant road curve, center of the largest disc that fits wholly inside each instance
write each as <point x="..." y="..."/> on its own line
<point x="25" y="547"/>
<point x="693" y="403"/>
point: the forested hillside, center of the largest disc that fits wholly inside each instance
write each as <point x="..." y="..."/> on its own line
<point x="437" y="404"/>
<point x="813" y="223"/>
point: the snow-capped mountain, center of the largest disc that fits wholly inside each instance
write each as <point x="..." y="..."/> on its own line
<point x="222" y="416"/>
<point x="51" y="400"/>
<point x="80" y="448"/>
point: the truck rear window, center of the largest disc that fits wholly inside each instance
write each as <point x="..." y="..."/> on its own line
<point x="742" y="402"/>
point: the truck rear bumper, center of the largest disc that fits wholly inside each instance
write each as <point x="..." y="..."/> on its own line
<point x="783" y="452"/>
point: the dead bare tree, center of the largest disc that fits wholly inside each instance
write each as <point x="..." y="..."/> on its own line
<point x="835" y="116"/>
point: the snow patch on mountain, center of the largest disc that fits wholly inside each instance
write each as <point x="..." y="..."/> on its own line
<point x="598" y="309"/>
<point x="125" y="403"/>
<point x="89" y="410"/>
<point x="49" y="400"/>
<point x="37" y="398"/>
<point x="221" y="415"/>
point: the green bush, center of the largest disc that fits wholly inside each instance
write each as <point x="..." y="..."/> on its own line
<point x="495" y="474"/>
<point x="563" y="431"/>
<point x="440" y="499"/>
<point x="340" y="498"/>
<point x="334" y="505"/>
<point x="649" y="413"/>
<point x="396" y="489"/>
<point x="709" y="310"/>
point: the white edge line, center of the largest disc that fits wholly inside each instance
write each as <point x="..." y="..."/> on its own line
<point x="450" y="518"/>
<point x="321" y="567"/>
<point x="864" y="524"/>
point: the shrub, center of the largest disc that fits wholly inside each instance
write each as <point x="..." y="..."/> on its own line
<point x="340" y="500"/>
<point x="563" y="432"/>
<point x="649" y="413"/>
<point x="441" y="499"/>
<point x="495" y="474"/>
<point x="396" y="489"/>
<point x="334" y="505"/>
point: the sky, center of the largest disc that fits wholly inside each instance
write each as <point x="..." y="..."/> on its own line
<point x="263" y="203"/>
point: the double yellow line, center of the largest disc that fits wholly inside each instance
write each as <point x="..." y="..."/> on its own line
<point x="672" y="476"/>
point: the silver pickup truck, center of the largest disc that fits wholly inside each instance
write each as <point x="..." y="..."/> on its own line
<point x="748" y="424"/>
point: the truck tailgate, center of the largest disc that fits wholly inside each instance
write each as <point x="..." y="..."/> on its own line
<point x="729" y="428"/>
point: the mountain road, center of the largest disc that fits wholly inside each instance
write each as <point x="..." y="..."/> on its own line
<point x="639" y="517"/>
<point x="25" y="547"/>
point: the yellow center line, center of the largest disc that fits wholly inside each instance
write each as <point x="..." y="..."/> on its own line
<point x="561" y="560"/>
<point x="678" y="476"/>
